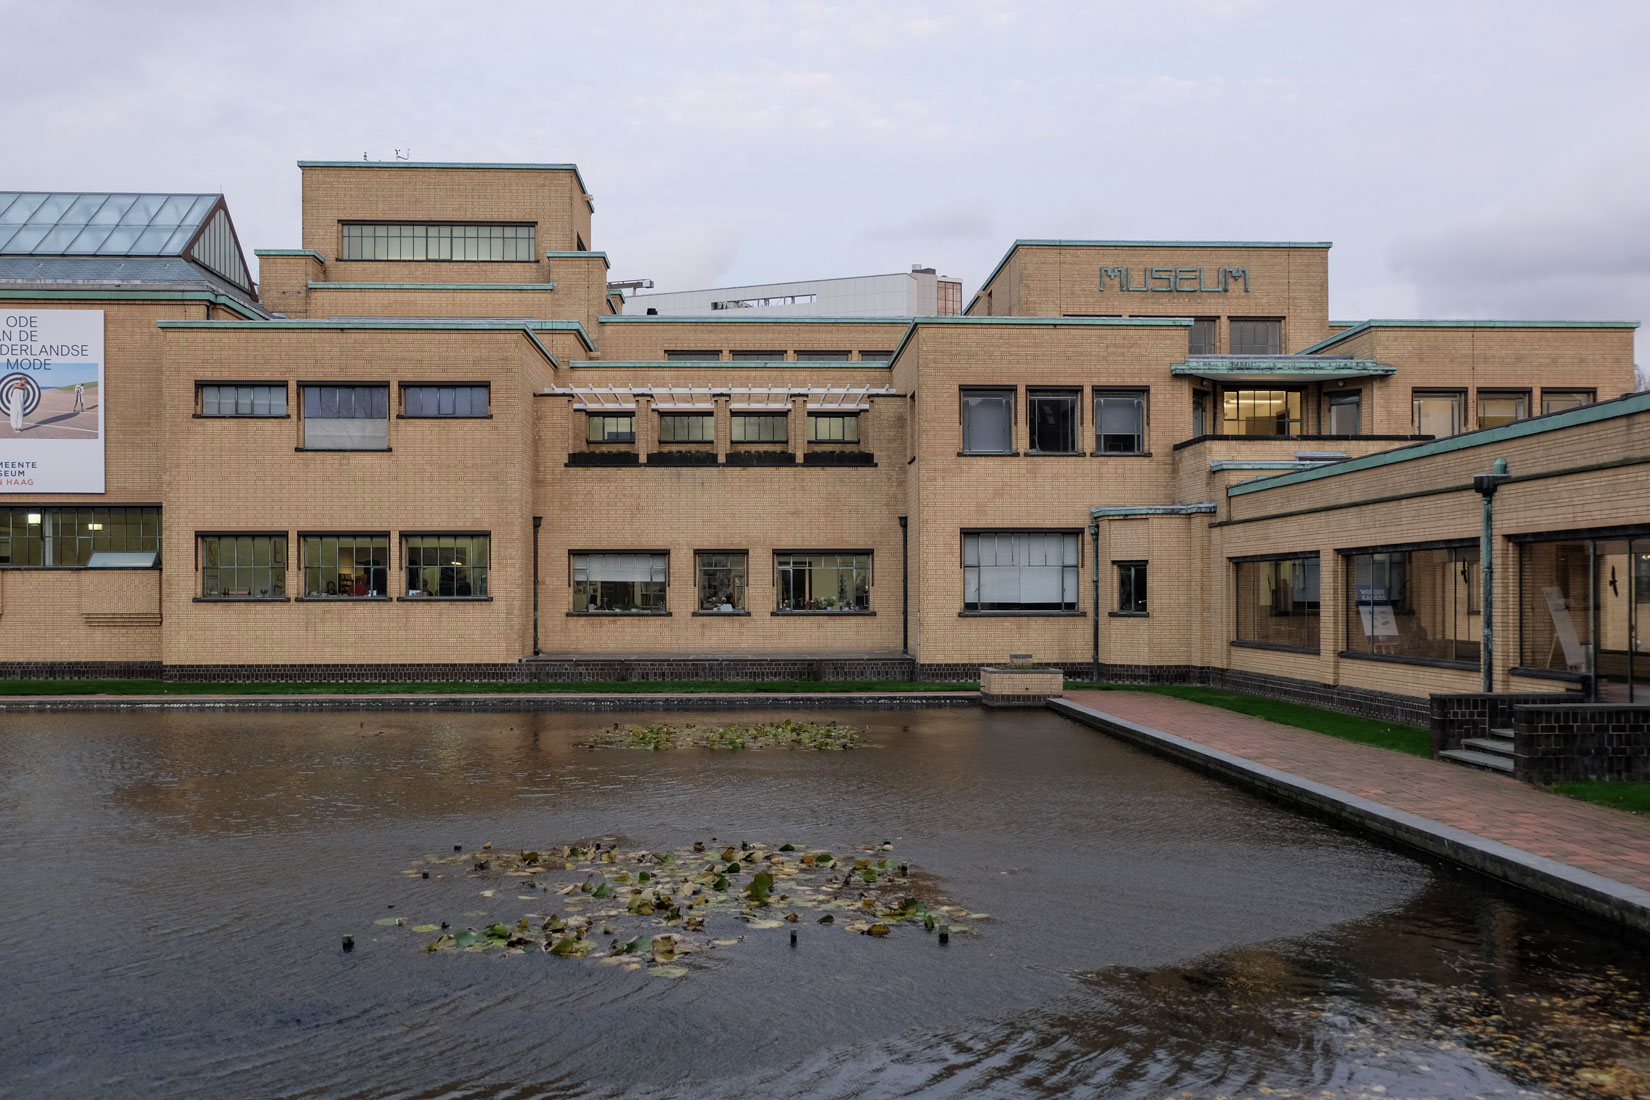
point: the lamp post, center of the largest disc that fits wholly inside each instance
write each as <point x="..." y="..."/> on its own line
<point x="1485" y="486"/>
<point x="1094" y="535"/>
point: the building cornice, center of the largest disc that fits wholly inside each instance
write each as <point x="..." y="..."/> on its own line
<point x="1364" y="326"/>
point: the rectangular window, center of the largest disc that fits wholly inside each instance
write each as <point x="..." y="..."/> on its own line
<point x="720" y="577"/>
<point x="346" y="566"/>
<point x="822" y="581"/>
<point x="1345" y="413"/>
<point x="346" y="418"/>
<point x="611" y="428"/>
<point x="436" y="241"/>
<point x="1200" y="413"/>
<point x="32" y="536"/>
<point x="1203" y="339"/>
<point x="1261" y="412"/>
<point x="446" y="566"/>
<point x="1120" y="421"/>
<point x="235" y="399"/>
<point x="760" y="428"/>
<point x="833" y="428"/>
<point x="702" y="356"/>
<point x="1052" y="421"/>
<point x="1559" y="400"/>
<point x="1020" y="570"/>
<point x="1496" y="409"/>
<point x="988" y="421"/>
<point x="1277" y="602"/>
<point x="875" y="356"/>
<point x="1436" y="414"/>
<point x="243" y="567"/>
<point x="1414" y="603"/>
<point x="627" y="582"/>
<point x="1131" y="587"/>
<point x="814" y="356"/>
<point x="687" y="428"/>
<point x="1257" y="336"/>
<point x="445" y="400"/>
<point x="757" y="356"/>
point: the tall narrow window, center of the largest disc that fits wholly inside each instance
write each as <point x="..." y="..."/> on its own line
<point x="1052" y="417"/>
<point x="822" y="581"/>
<point x="1120" y="421"/>
<point x="1200" y="413"/>
<point x="1202" y="339"/>
<point x="1437" y="414"/>
<point x="243" y="567"/>
<point x="1278" y="602"/>
<point x="346" y="566"/>
<point x="446" y="566"/>
<point x="346" y="418"/>
<point x="1131" y="587"/>
<point x="1257" y="336"/>
<point x="1020" y="571"/>
<point x="1496" y="409"/>
<point x="987" y="421"/>
<point x="1345" y="413"/>
<point x="721" y="580"/>
<point x="619" y="582"/>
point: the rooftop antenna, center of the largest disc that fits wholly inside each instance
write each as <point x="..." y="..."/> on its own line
<point x="363" y="156"/>
<point x="404" y="156"/>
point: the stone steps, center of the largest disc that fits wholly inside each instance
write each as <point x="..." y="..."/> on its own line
<point x="1488" y="761"/>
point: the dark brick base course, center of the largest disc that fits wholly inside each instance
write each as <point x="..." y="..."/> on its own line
<point x="1557" y="742"/>
<point x="1455" y="717"/>
<point x="80" y="670"/>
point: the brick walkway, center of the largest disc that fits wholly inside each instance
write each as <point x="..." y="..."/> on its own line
<point x="1611" y="843"/>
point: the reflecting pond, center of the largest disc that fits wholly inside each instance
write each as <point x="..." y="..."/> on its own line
<point x="178" y="886"/>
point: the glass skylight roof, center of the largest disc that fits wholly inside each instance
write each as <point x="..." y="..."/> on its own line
<point x="39" y="223"/>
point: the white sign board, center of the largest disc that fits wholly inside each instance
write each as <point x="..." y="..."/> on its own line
<point x="51" y="401"/>
<point x="1379" y="623"/>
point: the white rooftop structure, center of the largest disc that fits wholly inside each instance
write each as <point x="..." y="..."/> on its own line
<point x="916" y="293"/>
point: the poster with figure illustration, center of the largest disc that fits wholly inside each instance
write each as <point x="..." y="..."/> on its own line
<point x="51" y="401"/>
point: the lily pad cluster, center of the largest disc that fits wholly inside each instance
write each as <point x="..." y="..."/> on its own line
<point x="785" y="734"/>
<point x="633" y="908"/>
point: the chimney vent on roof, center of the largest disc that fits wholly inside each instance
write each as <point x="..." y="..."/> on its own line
<point x="918" y="269"/>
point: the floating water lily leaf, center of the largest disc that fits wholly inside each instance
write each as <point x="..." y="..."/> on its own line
<point x="497" y="930"/>
<point x="426" y="928"/>
<point x="668" y="971"/>
<point x="759" y="889"/>
<point x="721" y="883"/>
<point x="467" y="937"/>
<point x="602" y="891"/>
<point x="571" y="948"/>
<point x="389" y="921"/>
<point x="765" y="923"/>
<point x="878" y="929"/>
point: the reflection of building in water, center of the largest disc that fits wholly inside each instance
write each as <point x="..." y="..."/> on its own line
<point x="435" y="441"/>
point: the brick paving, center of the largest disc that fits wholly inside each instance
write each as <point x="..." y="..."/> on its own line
<point x="1607" y="842"/>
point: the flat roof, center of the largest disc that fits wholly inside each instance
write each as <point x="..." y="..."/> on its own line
<point x="1362" y="326"/>
<point x="1084" y="322"/>
<point x="491" y="165"/>
<point x="1039" y="242"/>
<point x="1630" y="405"/>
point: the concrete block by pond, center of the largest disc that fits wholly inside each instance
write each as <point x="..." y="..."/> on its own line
<point x="1019" y="687"/>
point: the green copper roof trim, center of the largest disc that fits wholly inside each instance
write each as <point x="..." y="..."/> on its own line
<point x="1202" y="507"/>
<point x="482" y="324"/>
<point x="1050" y="322"/>
<point x="289" y="252"/>
<point x="432" y="286"/>
<point x="1045" y="243"/>
<point x="1301" y="366"/>
<point x="1484" y="437"/>
<point x="724" y="364"/>
<point x="13" y="294"/>
<point x="1218" y="465"/>
<point x="768" y="319"/>
<point x="578" y="256"/>
<point x="1363" y="326"/>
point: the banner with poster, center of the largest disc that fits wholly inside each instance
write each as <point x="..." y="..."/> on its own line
<point x="51" y="401"/>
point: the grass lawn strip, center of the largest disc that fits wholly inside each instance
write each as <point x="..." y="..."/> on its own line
<point x="465" y="687"/>
<point x="1365" y="731"/>
<point x="1626" y="795"/>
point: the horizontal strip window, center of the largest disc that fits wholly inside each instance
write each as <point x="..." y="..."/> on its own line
<point x="1629" y="531"/>
<point x="455" y="401"/>
<point x="833" y="428"/>
<point x="236" y="399"/>
<point x="446" y="566"/>
<point x="610" y="428"/>
<point x="687" y="428"/>
<point x="79" y="538"/>
<point x="1020" y="570"/>
<point x="243" y="567"/>
<point x="829" y="581"/>
<point x="346" y="566"/>
<point x="436" y="241"/>
<point x="1423" y="604"/>
<point x="815" y="356"/>
<point x="1278" y="602"/>
<point x="760" y="428"/>
<point x="346" y="418"/>
<point x="619" y="582"/>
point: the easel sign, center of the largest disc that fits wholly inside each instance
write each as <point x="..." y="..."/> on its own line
<point x="1564" y="631"/>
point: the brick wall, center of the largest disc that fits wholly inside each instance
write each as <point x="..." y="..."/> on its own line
<point x="1555" y="742"/>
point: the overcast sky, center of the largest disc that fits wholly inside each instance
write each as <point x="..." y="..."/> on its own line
<point x="1468" y="159"/>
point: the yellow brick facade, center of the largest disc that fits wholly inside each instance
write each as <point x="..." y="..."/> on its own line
<point x="1079" y="316"/>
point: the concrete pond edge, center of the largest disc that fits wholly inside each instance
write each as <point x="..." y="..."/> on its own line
<point x="1614" y="901"/>
<point x="504" y="702"/>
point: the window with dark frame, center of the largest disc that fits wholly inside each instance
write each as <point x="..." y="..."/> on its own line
<point x="1020" y="570"/>
<point x="824" y="581"/>
<point x="1256" y="335"/>
<point x="1053" y="420"/>
<point x="442" y="566"/>
<point x="833" y="428"/>
<point x="610" y="427"/>
<point x="1278" y="602"/>
<point x="1120" y="421"/>
<point x="1131" y="587"/>
<point x="875" y="356"/>
<point x="241" y="399"/>
<point x="1415" y="603"/>
<point x="243" y="567"/>
<point x="44" y="537"/>
<point x="720" y="577"/>
<point x="1345" y="413"/>
<point x="346" y="566"/>
<point x="816" y="356"/>
<point x="623" y="581"/>
<point x="1200" y="413"/>
<point x="1203" y="339"/>
<point x="1261" y="412"/>
<point x="1561" y="400"/>
<point x="695" y="427"/>
<point x="454" y="401"/>
<point x="437" y="241"/>
<point x="346" y="418"/>
<point x="1498" y="407"/>
<point x="1437" y="413"/>
<point x="760" y="427"/>
<point x="691" y="356"/>
<point x="987" y="421"/>
<point x="743" y="356"/>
